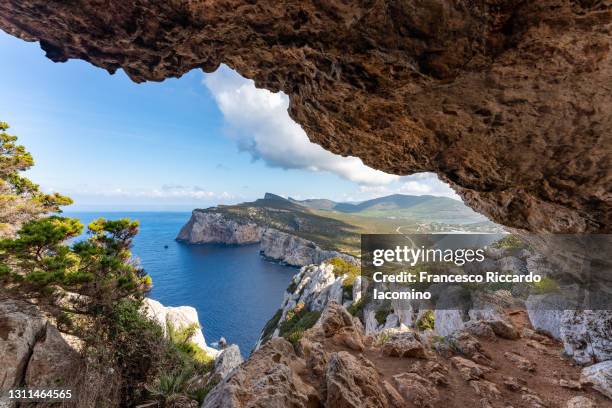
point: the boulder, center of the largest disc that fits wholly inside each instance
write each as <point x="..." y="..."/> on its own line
<point x="587" y="335"/>
<point x="467" y="345"/>
<point x="600" y="376"/>
<point x="480" y="328"/>
<point x="267" y="379"/>
<point x="545" y="313"/>
<point x="404" y="345"/>
<point x="520" y="362"/>
<point x="353" y="382"/>
<point x="338" y="324"/>
<point x="21" y="327"/>
<point x="228" y="360"/>
<point x="33" y="353"/>
<point x="52" y="362"/>
<point x="485" y="389"/>
<point x="503" y="329"/>
<point x="492" y="307"/>
<point x="531" y="400"/>
<point x="570" y="384"/>
<point x="468" y="369"/>
<point x="314" y="355"/>
<point x="395" y="398"/>
<point x="416" y="389"/>
<point x="580" y="402"/>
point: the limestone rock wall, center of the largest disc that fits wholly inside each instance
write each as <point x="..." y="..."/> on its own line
<point x="178" y="317"/>
<point x="294" y="250"/>
<point x="32" y="351"/>
<point x="211" y="227"/>
<point x="207" y="227"/>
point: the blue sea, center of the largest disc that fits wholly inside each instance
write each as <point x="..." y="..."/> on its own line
<point x="234" y="290"/>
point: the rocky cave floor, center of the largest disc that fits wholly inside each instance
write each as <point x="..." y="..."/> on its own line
<point x="336" y="365"/>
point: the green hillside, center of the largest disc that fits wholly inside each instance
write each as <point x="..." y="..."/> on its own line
<point x="402" y="207"/>
<point x="338" y="226"/>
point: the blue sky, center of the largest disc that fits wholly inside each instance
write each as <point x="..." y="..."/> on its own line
<point x="196" y="141"/>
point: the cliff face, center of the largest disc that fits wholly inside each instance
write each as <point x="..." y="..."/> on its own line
<point x="178" y="317"/>
<point x="211" y="227"/>
<point x="585" y="335"/>
<point x="206" y="228"/>
<point x="506" y="100"/>
<point x="294" y="250"/>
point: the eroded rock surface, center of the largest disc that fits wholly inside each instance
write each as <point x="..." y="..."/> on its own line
<point x="32" y="352"/>
<point x="211" y="227"/>
<point x="207" y="227"/>
<point x="600" y="375"/>
<point x="21" y="327"/>
<point x="53" y="360"/>
<point x="493" y="96"/>
<point x="320" y="371"/>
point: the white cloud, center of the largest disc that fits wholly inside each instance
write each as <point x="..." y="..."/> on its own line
<point x="416" y="184"/>
<point x="167" y="191"/>
<point x="261" y="126"/>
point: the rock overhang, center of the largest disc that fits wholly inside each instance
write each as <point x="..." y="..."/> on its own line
<point x="507" y="101"/>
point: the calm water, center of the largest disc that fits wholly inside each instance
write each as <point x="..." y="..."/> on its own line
<point x="233" y="289"/>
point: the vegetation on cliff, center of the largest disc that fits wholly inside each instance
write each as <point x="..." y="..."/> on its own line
<point x="338" y="226"/>
<point x="126" y="357"/>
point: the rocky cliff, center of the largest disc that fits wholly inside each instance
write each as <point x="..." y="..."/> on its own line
<point x="35" y="354"/>
<point x="335" y="364"/>
<point x="293" y="250"/>
<point x="493" y="96"/>
<point x="212" y="227"/>
<point x="585" y="335"/>
<point x="178" y="318"/>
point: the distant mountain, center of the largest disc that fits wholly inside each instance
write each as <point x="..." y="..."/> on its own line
<point x="400" y="206"/>
<point x="391" y="202"/>
<point x="338" y="226"/>
<point x="316" y="203"/>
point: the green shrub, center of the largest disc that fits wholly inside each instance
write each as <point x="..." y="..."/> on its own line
<point x="269" y="328"/>
<point x="64" y="321"/>
<point x="181" y="340"/>
<point x="381" y="315"/>
<point x="509" y="242"/>
<point x="546" y="285"/>
<point x="292" y="287"/>
<point x="170" y="385"/>
<point x="427" y="321"/>
<point x="342" y="267"/>
<point x="199" y="394"/>
<point x="382" y="338"/>
<point x="296" y="322"/>
<point x="356" y="308"/>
